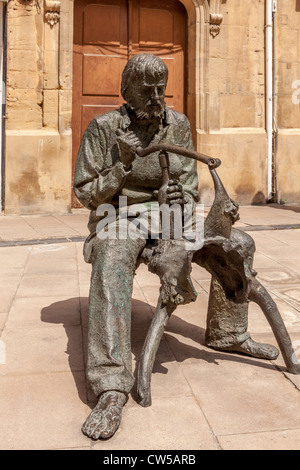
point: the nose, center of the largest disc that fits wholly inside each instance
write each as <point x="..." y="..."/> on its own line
<point x="155" y="94"/>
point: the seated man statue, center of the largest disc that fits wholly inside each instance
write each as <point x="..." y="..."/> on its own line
<point x="108" y="167"/>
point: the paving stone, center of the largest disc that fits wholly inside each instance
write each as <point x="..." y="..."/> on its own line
<point x="280" y="440"/>
<point x="167" y="379"/>
<point x="32" y="312"/>
<point x="42" y="411"/>
<point x="49" y="266"/>
<point x="49" y="226"/>
<point x="8" y="292"/>
<point x="173" y="423"/>
<point x="37" y="350"/>
<point x="277" y="276"/>
<point x="3" y="319"/>
<point x="14" y="256"/>
<point x="257" y="322"/>
<point x="78" y="223"/>
<point x="240" y="394"/>
<point x="202" y="398"/>
<point x="51" y="285"/>
<point x="13" y="228"/>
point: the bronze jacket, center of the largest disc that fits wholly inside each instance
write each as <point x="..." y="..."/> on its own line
<point x="100" y="176"/>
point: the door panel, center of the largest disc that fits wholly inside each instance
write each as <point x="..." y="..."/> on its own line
<point x="96" y="69"/>
<point x="159" y="27"/>
<point x="106" y="34"/>
<point x="156" y="27"/>
<point x="170" y="63"/>
<point x="102" y="24"/>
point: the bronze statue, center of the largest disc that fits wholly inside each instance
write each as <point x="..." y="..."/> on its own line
<point x="125" y="153"/>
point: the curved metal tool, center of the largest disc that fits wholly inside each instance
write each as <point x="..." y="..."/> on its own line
<point x="200" y="157"/>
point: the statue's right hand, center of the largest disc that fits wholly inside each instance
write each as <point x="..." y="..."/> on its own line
<point x="128" y="142"/>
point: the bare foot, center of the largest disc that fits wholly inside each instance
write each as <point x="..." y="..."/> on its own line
<point x="260" y="350"/>
<point x="105" y="418"/>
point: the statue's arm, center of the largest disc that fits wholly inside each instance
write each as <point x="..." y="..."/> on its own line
<point x="93" y="183"/>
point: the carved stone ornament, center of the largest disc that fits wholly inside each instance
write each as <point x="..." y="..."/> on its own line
<point x="52" y="11"/>
<point x="215" y="17"/>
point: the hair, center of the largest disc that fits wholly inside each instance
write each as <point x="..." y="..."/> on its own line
<point x="140" y="65"/>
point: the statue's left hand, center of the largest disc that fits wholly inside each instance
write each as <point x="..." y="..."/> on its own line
<point x="128" y="142"/>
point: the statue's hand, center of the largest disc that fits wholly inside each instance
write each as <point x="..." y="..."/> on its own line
<point x="172" y="193"/>
<point x="128" y="142"/>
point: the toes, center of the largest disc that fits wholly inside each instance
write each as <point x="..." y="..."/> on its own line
<point x="113" y="420"/>
<point x="108" y="427"/>
<point x="93" y="429"/>
<point x="108" y="433"/>
<point x="97" y="433"/>
<point x="87" y="430"/>
<point x="260" y="350"/>
<point x="88" y="427"/>
<point x="271" y="352"/>
<point x="91" y="425"/>
<point x="102" y="424"/>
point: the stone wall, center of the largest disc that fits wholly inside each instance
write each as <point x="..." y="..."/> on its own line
<point x="226" y="100"/>
<point x="235" y="128"/>
<point x="288" y="99"/>
<point x="39" y="106"/>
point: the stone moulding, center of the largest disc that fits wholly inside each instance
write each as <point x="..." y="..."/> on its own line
<point x="215" y="17"/>
<point x="52" y="12"/>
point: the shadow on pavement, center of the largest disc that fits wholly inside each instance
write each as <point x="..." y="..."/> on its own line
<point x="73" y="314"/>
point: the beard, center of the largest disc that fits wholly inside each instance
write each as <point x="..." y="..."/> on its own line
<point x="149" y="112"/>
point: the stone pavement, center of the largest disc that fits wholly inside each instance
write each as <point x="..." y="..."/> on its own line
<point x="202" y="399"/>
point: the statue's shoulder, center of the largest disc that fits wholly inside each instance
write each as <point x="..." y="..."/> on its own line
<point x="176" y="117"/>
<point x="111" y="117"/>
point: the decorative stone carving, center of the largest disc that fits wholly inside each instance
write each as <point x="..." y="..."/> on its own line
<point x="215" y="20"/>
<point x="52" y="11"/>
<point x="215" y="17"/>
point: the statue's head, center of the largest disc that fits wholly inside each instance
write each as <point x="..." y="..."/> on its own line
<point x="144" y="82"/>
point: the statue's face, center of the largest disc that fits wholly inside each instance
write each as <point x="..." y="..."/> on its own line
<point x="146" y="96"/>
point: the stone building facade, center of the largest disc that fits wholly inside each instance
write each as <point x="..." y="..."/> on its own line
<point x="225" y="77"/>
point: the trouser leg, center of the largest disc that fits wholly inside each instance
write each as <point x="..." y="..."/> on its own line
<point x="227" y="322"/>
<point x="109" y="363"/>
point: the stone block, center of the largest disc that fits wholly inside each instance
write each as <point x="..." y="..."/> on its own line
<point x="243" y="167"/>
<point x="288" y="165"/>
<point x="51" y="80"/>
<point x="237" y="110"/>
<point x="24" y="109"/>
<point x="38" y="172"/>
<point x="50" y="109"/>
<point x="287" y="112"/>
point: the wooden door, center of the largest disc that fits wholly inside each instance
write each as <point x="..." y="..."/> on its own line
<point x="159" y="27"/>
<point x="106" y="34"/>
